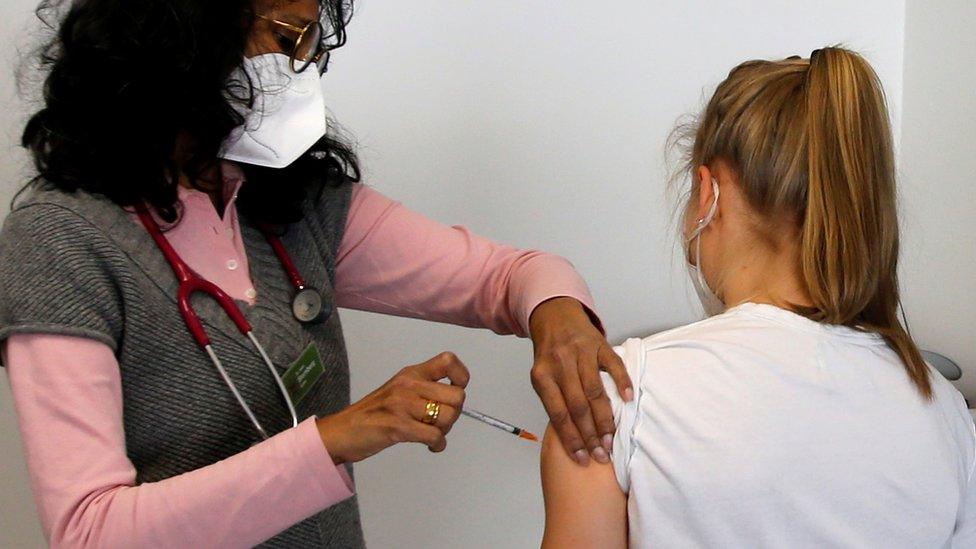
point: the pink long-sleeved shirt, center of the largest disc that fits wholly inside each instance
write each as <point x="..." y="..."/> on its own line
<point x="391" y="260"/>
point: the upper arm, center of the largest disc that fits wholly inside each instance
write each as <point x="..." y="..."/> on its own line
<point x="585" y="506"/>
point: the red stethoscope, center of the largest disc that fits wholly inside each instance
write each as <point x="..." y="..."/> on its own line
<point x="307" y="307"/>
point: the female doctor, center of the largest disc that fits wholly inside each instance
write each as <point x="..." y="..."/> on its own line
<point x="169" y="284"/>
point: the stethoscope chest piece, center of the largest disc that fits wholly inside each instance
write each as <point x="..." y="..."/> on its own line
<point x="309" y="307"/>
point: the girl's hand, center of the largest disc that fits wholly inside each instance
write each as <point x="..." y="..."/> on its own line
<point x="394" y="413"/>
<point x="569" y="354"/>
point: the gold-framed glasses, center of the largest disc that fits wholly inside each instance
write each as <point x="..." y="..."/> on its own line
<point x="306" y="45"/>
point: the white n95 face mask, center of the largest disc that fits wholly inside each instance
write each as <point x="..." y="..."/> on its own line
<point x="287" y="118"/>
<point x="710" y="302"/>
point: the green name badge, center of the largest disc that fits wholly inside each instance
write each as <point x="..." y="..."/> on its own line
<point x="303" y="373"/>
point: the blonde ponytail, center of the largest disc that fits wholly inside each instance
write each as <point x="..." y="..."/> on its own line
<point x="849" y="252"/>
<point x="810" y="141"/>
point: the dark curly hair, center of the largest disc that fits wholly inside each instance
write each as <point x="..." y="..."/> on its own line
<point x="124" y="79"/>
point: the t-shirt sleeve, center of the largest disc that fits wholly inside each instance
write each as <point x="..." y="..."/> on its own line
<point x="56" y="276"/>
<point x="625" y="413"/>
<point x="965" y="531"/>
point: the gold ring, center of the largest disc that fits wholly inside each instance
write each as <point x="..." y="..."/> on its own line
<point x="432" y="411"/>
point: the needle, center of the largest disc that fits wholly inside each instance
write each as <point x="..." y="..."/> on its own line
<point x="517" y="431"/>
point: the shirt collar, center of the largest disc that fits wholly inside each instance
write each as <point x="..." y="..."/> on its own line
<point x="233" y="178"/>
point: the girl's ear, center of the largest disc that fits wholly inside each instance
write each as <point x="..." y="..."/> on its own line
<point x="706" y="194"/>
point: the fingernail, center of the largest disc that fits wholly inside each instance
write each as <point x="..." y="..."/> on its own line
<point x="600" y="455"/>
<point x="628" y="394"/>
<point x="608" y="442"/>
<point x="582" y="457"/>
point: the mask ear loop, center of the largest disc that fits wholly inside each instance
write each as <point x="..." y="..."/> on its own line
<point x="710" y="301"/>
<point x="703" y="222"/>
<point x="696" y="234"/>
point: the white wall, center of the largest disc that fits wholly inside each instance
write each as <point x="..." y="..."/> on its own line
<point x="541" y="124"/>
<point x="19" y="526"/>
<point x="16" y="17"/>
<point x="938" y="185"/>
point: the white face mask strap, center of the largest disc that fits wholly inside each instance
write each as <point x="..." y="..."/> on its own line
<point x="710" y="301"/>
<point x="703" y="222"/>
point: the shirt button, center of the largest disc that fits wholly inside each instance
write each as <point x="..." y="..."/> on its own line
<point x="232" y="264"/>
<point x="251" y="293"/>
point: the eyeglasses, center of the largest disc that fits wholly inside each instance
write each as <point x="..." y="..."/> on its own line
<point x="310" y="46"/>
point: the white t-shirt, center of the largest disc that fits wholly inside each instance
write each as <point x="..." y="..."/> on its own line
<point x="761" y="428"/>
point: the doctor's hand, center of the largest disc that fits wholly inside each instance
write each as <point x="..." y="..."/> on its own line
<point x="394" y="413"/>
<point x="569" y="354"/>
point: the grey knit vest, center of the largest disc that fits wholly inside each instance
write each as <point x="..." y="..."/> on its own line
<point x="77" y="264"/>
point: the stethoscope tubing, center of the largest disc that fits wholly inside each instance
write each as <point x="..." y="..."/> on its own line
<point x="190" y="283"/>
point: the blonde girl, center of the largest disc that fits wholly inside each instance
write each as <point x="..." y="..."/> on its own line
<point x="800" y="414"/>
